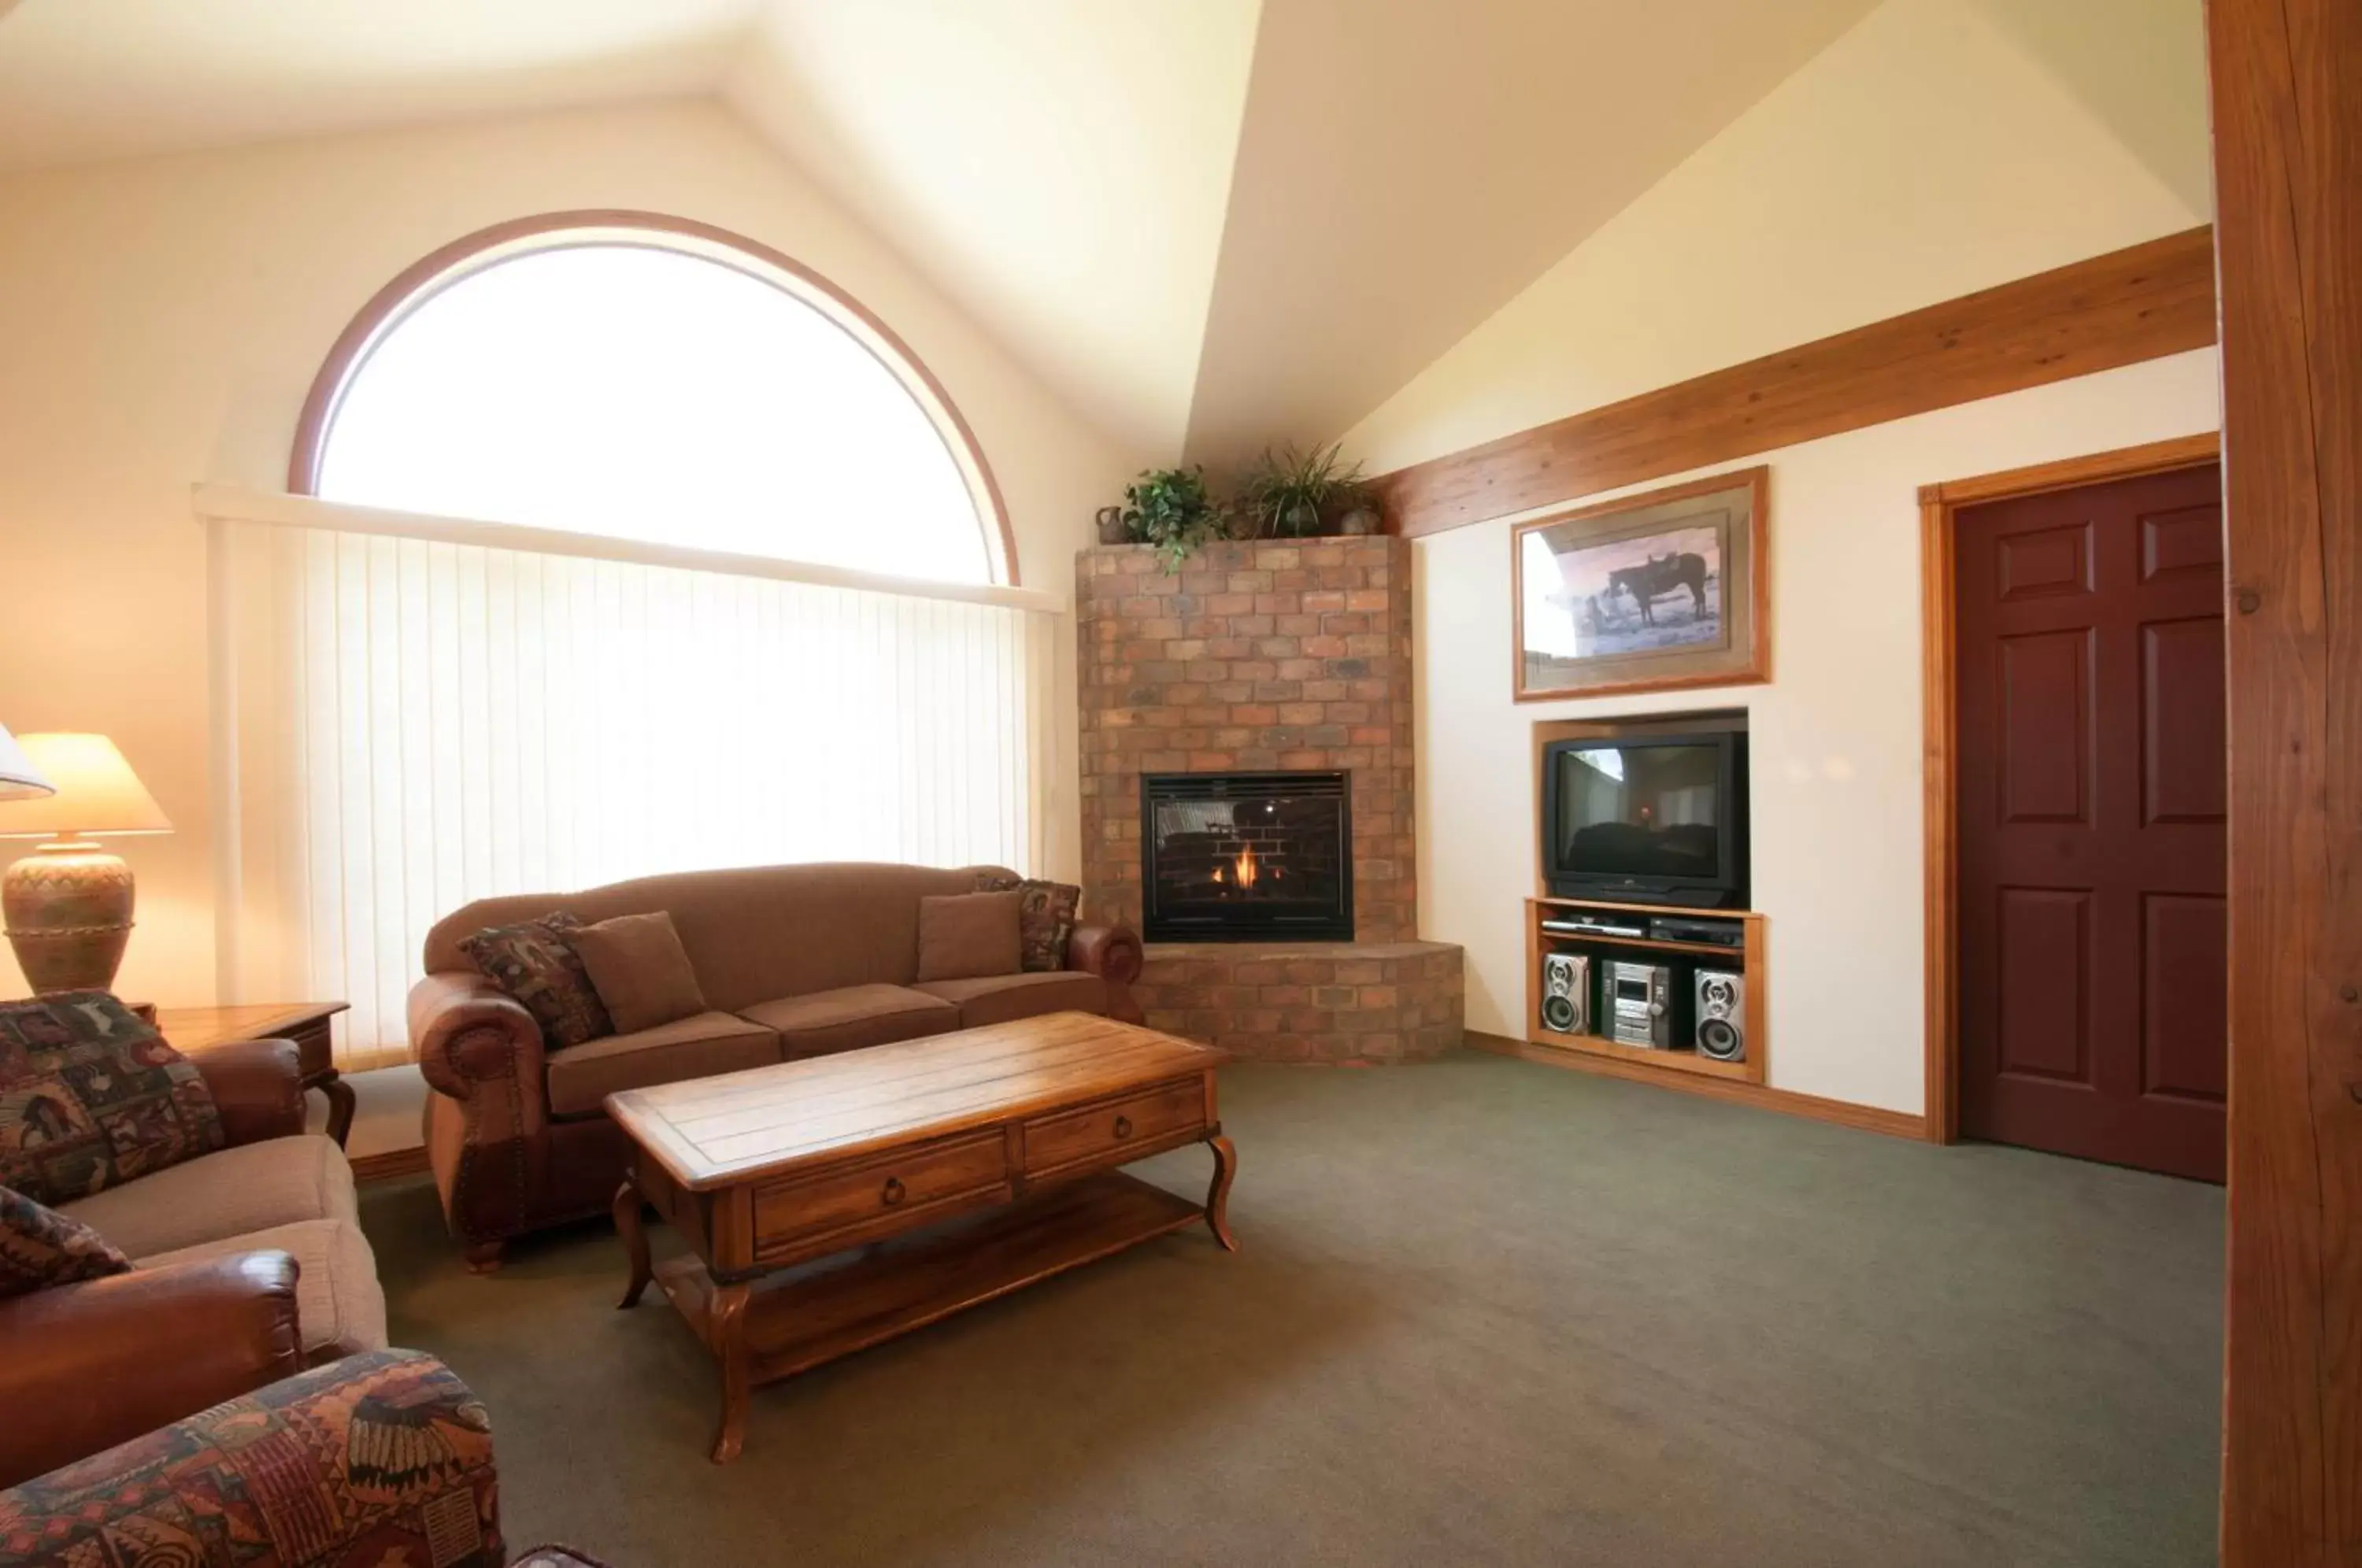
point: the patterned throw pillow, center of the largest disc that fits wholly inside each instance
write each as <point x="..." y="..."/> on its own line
<point x="91" y="1097"/>
<point x="40" y="1247"/>
<point x="1045" y="916"/>
<point x="536" y="962"/>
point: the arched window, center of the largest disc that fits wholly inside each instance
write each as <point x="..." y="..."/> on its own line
<point x="638" y="377"/>
<point x="639" y="627"/>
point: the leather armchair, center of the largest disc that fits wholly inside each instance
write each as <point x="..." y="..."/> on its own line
<point x="258" y="1086"/>
<point x="405" y="1474"/>
<point x="105" y="1360"/>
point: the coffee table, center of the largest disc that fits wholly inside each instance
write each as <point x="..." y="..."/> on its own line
<point x="965" y="1165"/>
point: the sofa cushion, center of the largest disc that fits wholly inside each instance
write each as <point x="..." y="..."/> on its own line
<point x="534" y="962"/>
<point x="40" y="1247"/>
<point x="965" y="934"/>
<point x="249" y="1188"/>
<point x="641" y="971"/>
<point x="852" y="1016"/>
<point x="339" y="1305"/>
<point x="91" y="1096"/>
<point x="997" y="999"/>
<point x="582" y="1077"/>
<point x="1045" y="916"/>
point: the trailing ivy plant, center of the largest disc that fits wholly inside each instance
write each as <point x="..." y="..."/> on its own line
<point x="1173" y="510"/>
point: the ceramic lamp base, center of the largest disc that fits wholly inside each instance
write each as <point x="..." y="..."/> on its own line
<point x="68" y="909"/>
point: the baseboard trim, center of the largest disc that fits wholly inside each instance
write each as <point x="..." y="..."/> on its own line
<point x="390" y="1164"/>
<point x="1788" y="1102"/>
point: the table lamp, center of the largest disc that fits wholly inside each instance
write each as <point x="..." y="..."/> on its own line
<point x="67" y="904"/>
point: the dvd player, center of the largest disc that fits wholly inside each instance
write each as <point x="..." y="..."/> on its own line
<point x="1686" y="928"/>
<point x="1583" y="925"/>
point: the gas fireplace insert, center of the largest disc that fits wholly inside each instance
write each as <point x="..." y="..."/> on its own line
<point x="1246" y="858"/>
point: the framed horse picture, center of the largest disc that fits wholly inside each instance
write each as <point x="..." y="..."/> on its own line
<point x="1652" y="592"/>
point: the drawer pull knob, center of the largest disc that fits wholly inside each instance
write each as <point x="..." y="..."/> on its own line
<point x="1124" y="1126"/>
<point x="893" y="1191"/>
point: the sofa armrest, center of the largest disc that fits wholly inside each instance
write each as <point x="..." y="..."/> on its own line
<point x="377" y="1459"/>
<point x="258" y="1086"/>
<point x="89" y="1365"/>
<point x="1110" y="952"/>
<point x="465" y="1032"/>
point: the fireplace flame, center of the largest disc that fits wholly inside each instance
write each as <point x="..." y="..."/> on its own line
<point x="1245" y="866"/>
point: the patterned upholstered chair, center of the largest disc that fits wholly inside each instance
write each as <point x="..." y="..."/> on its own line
<point x="379" y="1459"/>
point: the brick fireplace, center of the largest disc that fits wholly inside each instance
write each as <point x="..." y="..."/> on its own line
<point x="1257" y="661"/>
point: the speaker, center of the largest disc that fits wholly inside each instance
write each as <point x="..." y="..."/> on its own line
<point x="1566" y="992"/>
<point x="1722" y="1015"/>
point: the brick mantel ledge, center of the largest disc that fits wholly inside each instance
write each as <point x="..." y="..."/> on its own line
<point x="1310" y="1001"/>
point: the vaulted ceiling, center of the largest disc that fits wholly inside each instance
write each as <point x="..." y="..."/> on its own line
<point x="1210" y="224"/>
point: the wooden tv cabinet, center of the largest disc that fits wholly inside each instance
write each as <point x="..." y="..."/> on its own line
<point x="1748" y="960"/>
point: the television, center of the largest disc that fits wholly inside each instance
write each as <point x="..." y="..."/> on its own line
<point x="1647" y="817"/>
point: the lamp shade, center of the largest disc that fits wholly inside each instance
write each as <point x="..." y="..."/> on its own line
<point x="19" y="779"/>
<point x="97" y="793"/>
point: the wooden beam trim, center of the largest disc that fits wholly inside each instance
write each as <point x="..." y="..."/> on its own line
<point x="2286" y="99"/>
<point x="2141" y="302"/>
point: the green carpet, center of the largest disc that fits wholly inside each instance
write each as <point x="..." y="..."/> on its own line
<point x="1484" y="1312"/>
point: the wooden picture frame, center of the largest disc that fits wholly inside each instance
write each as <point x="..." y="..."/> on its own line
<point x="1697" y="555"/>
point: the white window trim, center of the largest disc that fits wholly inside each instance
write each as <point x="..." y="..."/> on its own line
<point x="237" y="504"/>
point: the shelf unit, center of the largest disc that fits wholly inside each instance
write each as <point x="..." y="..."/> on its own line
<point x="1748" y="960"/>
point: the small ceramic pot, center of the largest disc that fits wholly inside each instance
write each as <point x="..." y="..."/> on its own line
<point x="1360" y="520"/>
<point x="1111" y="528"/>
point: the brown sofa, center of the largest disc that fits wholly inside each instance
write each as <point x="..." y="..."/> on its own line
<point x="794" y="961"/>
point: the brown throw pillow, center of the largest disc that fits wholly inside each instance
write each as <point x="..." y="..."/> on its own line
<point x="1045" y="917"/>
<point x="965" y="935"/>
<point x="91" y="1096"/>
<point x="40" y="1247"/>
<point x="534" y="962"/>
<point x="641" y="970"/>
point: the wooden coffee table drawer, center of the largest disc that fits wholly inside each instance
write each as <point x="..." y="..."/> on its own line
<point x="1114" y="1128"/>
<point x="886" y="1191"/>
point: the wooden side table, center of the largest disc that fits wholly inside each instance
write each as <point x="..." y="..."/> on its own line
<point x="195" y="1030"/>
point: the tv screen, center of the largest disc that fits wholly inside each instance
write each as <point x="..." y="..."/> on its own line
<point x="1640" y="810"/>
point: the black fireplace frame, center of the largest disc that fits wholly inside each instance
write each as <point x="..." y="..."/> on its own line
<point x="1166" y="926"/>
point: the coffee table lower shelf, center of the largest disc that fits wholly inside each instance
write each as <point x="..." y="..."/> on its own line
<point x="797" y="1320"/>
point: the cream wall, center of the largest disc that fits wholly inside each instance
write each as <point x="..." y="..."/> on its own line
<point x="1925" y="154"/>
<point x="1834" y="738"/>
<point x="160" y="321"/>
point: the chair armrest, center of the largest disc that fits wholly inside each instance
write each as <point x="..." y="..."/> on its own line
<point x="258" y="1086"/>
<point x="89" y="1365"/>
<point x="383" y="1458"/>
<point x="465" y="1030"/>
<point x="1110" y="952"/>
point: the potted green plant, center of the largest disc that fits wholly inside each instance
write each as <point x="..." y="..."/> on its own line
<point x="1292" y="493"/>
<point x="1173" y="510"/>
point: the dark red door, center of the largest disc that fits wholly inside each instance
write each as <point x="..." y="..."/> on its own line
<point x="2091" y="771"/>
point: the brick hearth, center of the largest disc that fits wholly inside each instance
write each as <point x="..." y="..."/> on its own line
<point x="1289" y="654"/>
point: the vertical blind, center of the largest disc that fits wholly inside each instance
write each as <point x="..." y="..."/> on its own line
<point x="411" y="722"/>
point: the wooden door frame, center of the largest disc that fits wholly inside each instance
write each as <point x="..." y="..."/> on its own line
<point x="1939" y="700"/>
